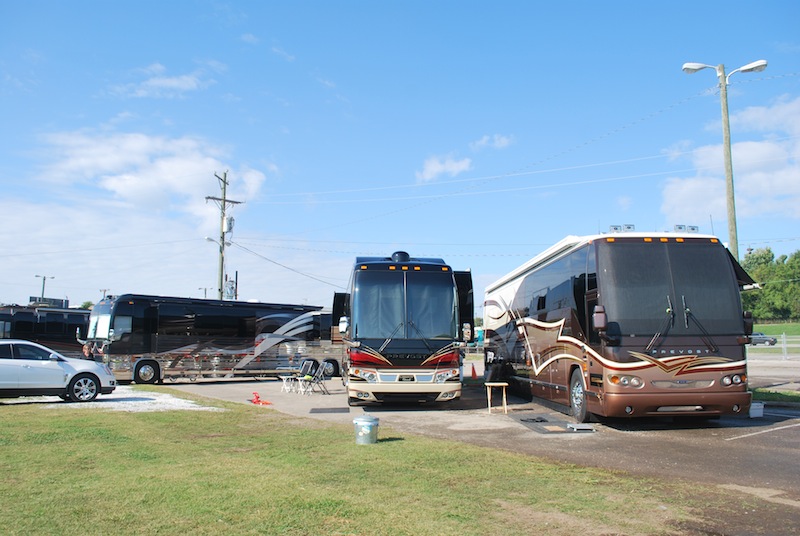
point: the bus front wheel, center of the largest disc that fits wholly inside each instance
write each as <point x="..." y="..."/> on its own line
<point x="577" y="397"/>
<point x="146" y="372"/>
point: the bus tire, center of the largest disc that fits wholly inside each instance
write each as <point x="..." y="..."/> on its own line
<point x="146" y="372"/>
<point x="83" y="388"/>
<point x="331" y="368"/>
<point x="577" y="397"/>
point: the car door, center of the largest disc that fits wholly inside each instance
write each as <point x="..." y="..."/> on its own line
<point x="9" y="369"/>
<point x="37" y="370"/>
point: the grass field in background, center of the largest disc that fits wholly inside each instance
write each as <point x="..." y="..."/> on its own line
<point x="250" y="470"/>
<point x="790" y="329"/>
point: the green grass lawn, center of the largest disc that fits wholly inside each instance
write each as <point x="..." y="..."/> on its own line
<point x="250" y="470"/>
<point x="790" y="329"/>
<point x="764" y="394"/>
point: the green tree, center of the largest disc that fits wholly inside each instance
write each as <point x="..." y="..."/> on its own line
<point x="779" y="280"/>
<point x="86" y="305"/>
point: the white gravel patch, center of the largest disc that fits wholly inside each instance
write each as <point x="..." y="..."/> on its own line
<point x="125" y="398"/>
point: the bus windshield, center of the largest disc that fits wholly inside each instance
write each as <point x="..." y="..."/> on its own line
<point x="404" y="305"/>
<point x="642" y="285"/>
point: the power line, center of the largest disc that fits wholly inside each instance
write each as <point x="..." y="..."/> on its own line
<point x="286" y="267"/>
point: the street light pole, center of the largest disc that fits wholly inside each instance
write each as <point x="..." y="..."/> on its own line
<point x="756" y="66"/>
<point x="44" y="280"/>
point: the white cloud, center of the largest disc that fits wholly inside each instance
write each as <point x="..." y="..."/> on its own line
<point x="278" y="51"/>
<point x="766" y="173"/>
<point x="782" y="116"/>
<point x="498" y="141"/>
<point x="157" y="85"/>
<point x="144" y="172"/>
<point x="250" y="39"/>
<point x="127" y="212"/>
<point x="624" y="202"/>
<point x="435" y="166"/>
<point x="694" y="200"/>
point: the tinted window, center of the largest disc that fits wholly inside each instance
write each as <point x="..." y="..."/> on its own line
<point x="557" y="291"/>
<point x="640" y="282"/>
<point x="24" y="351"/>
<point x="431" y="305"/>
<point x="5" y="351"/>
<point x="410" y="305"/>
<point x="378" y="305"/>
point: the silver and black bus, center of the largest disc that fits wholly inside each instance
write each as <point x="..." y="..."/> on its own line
<point x="49" y="326"/>
<point x="146" y="339"/>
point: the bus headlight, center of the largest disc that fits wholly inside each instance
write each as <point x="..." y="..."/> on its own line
<point x="626" y="380"/>
<point x="733" y="379"/>
<point x="370" y="375"/>
<point x="443" y="376"/>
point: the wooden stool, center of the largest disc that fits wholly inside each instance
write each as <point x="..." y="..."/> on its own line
<point x="489" y="386"/>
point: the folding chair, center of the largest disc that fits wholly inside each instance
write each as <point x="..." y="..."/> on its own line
<point x="313" y="382"/>
<point x="294" y="383"/>
<point x="317" y="381"/>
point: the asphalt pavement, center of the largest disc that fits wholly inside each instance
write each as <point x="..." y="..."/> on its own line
<point x="470" y="413"/>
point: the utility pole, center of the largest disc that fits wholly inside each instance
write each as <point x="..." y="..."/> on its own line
<point x="44" y="280"/>
<point x="223" y="203"/>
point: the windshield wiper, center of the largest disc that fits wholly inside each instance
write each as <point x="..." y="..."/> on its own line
<point x="389" y="339"/>
<point x="422" y="335"/>
<point x="706" y="338"/>
<point x="665" y="325"/>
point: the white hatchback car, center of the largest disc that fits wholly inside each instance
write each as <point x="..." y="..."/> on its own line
<point x="30" y="369"/>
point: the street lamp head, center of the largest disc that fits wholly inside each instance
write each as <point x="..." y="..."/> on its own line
<point x="694" y="67"/>
<point x="755" y="67"/>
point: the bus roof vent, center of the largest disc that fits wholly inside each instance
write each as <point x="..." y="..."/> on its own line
<point x="401" y="256"/>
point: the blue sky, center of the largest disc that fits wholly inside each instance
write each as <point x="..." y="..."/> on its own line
<point x="480" y="132"/>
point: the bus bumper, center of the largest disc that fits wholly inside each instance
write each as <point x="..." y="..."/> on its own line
<point x="403" y="392"/>
<point x="673" y="404"/>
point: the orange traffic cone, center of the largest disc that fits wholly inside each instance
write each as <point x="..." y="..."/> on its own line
<point x="474" y="376"/>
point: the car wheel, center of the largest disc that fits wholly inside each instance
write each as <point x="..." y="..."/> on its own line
<point x="146" y="372"/>
<point x="83" y="388"/>
<point x="577" y="397"/>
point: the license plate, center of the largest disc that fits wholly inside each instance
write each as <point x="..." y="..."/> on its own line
<point x="406" y="378"/>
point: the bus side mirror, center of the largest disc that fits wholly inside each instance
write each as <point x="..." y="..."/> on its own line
<point x="599" y="319"/>
<point x="466" y="332"/>
<point x="748" y="323"/>
<point x="344" y="324"/>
